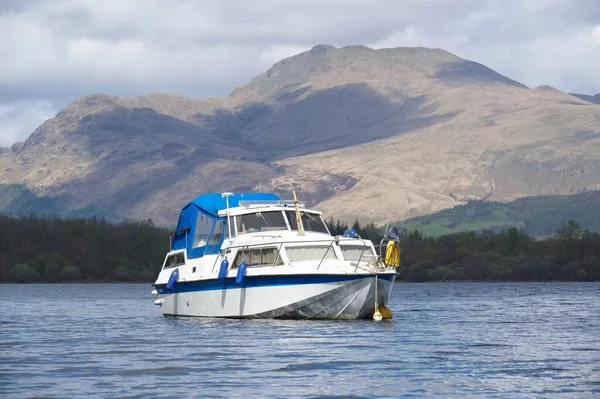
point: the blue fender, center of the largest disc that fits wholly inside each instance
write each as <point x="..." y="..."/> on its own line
<point x="241" y="273"/>
<point x="173" y="280"/>
<point x="223" y="270"/>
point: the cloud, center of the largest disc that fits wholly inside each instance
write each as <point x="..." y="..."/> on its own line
<point x="55" y="51"/>
<point x="19" y="119"/>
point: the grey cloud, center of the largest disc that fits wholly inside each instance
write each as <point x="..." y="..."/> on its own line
<point x="7" y="6"/>
<point x="55" y="51"/>
<point x="19" y="116"/>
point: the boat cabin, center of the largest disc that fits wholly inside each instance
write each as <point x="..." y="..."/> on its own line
<point x="202" y="225"/>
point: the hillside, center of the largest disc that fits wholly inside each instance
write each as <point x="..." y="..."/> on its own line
<point x="592" y="99"/>
<point x="380" y="134"/>
<point x="538" y="216"/>
<point x="16" y="199"/>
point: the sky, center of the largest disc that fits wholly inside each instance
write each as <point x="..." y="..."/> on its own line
<point x="53" y="51"/>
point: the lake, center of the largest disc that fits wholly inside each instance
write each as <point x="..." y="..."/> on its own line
<point x="455" y="340"/>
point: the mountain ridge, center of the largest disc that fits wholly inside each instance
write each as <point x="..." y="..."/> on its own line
<point x="595" y="99"/>
<point x="384" y="134"/>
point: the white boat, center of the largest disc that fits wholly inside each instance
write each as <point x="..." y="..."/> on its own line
<point x="254" y="255"/>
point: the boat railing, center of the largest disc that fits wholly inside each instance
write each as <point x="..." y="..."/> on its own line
<point x="378" y="248"/>
<point x="361" y="252"/>
<point x="270" y="203"/>
<point x="266" y="236"/>
<point x="333" y="240"/>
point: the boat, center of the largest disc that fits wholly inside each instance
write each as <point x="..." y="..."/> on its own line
<point x="254" y="255"/>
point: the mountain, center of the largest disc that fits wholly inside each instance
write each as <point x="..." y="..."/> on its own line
<point x="16" y="199"/>
<point x="377" y="134"/>
<point x="538" y="216"/>
<point x="592" y="99"/>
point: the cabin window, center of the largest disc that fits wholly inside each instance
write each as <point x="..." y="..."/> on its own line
<point x="217" y="234"/>
<point x="257" y="257"/>
<point x="352" y="252"/>
<point x="314" y="252"/>
<point x="202" y="230"/>
<point x="310" y="221"/>
<point x="260" y="221"/>
<point x="175" y="260"/>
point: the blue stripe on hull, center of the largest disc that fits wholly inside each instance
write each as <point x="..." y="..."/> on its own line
<point x="264" y="281"/>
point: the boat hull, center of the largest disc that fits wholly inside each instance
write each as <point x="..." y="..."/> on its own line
<point x="293" y="297"/>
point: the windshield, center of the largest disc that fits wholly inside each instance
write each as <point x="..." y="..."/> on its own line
<point x="310" y="221"/>
<point x="260" y="221"/>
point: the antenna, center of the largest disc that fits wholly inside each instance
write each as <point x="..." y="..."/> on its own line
<point x="226" y="196"/>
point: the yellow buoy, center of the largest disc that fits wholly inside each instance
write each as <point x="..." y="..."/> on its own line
<point x="380" y="312"/>
<point x="385" y="312"/>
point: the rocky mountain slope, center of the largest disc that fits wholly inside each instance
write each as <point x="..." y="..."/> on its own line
<point x="592" y="99"/>
<point x="380" y="134"/>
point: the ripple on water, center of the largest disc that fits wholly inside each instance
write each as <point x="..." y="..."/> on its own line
<point x="446" y="340"/>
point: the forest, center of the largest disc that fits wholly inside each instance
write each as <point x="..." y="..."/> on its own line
<point x="539" y="216"/>
<point x="570" y="254"/>
<point x="52" y="249"/>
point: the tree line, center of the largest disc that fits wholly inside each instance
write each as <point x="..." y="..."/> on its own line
<point x="51" y="249"/>
<point x="571" y="254"/>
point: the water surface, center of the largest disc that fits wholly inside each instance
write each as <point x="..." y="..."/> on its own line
<point x="517" y="340"/>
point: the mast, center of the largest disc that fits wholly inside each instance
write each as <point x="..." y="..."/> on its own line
<point x="298" y="218"/>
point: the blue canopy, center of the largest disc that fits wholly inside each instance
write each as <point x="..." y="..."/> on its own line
<point x="213" y="202"/>
<point x="200" y="230"/>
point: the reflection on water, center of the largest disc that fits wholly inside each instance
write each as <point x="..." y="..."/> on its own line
<point x="452" y="340"/>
